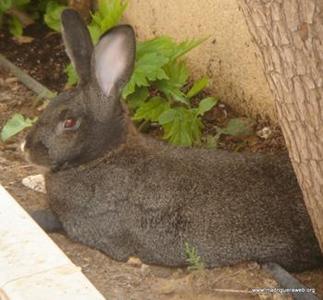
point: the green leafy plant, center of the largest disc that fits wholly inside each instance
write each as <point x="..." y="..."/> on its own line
<point x="14" y="125"/>
<point x="30" y="9"/>
<point x="53" y="14"/>
<point x="193" y="259"/>
<point x="107" y="15"/>
<point x="6" y="7"/>
<point x="183" y="125"/>
<point x="157" y="63"/>
<point x="236" y="127"/>
<point x="15" y="26"/>
<point x="72" y="77"/>
<point x="160" y="67"/>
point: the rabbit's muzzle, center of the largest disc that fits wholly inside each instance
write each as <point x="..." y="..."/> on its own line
<point x="39" y="153"/>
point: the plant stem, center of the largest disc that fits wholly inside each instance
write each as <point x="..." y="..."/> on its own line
<point x="27" y="80"/>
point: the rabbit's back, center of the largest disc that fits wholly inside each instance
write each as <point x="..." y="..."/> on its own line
<point x="150" y="201"/>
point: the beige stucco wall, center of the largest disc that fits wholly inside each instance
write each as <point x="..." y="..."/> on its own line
<point x="228" y="57"/>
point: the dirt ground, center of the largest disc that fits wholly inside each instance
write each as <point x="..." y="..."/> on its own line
<point x="123" y="281"/>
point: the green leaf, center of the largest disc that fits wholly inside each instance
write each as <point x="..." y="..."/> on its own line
<point x="108" y="14"/>
<point x="177" y="73"/>
<point x="14" y="125"/>
<point x="113" y="15"/>
<point x="5" y="5"/>
<point x="112" y="9"/>
<point x="181" y="126"/>
<point x="19" y="3"/>
<point x="52" y="17"/>
<point x="196" y="127"/>
<point x="186" y="46"/>
<point x="152" y="58"/>
<point x="206" y="104"/>
<point x="163" y="45"/>
<point x="129" y="88"/>
<point x="39" y="7"/>
<point x="95" y="32"/>
<point x="137" y="98"/>
<point x="72" y="77"/>
<point x="171" y="91"/>
<point x="177" y="76"/>
<point x="151" y="110"/>
<point x="238" y="127"/>
<point x="147" y="68"/>
<point x="167" y="47"/>
<point x="167" y="116"/>
<point x="197" y="87"/>
<point x="15" y="26"/>
<point x="194" y="260"/>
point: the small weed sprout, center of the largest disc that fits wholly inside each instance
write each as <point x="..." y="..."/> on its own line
<point x="194" y="260"/>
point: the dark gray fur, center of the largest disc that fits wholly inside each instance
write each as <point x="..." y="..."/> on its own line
<point x="129" y="195"/>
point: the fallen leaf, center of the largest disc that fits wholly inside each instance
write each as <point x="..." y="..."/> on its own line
<point x="23" y="39"/>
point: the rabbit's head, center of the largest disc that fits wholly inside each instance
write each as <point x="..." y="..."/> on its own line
<point x="80" y="125"/>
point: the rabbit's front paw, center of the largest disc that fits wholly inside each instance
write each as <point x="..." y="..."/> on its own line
<point x="46" y="219"/>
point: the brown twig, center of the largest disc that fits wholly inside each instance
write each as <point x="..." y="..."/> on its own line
<point x="22" y="17"/>
<point x="27" y="80"/>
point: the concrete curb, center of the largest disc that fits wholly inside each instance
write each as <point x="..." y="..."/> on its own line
<point x="31" y="264"/>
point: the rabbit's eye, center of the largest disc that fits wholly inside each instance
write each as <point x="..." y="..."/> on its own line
<point x="71" y="124"/>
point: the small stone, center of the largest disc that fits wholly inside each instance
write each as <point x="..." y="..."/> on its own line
<point x="264" y="133"/>
<point x="35" y="182"/>
<point x="144" y="269"/>
<point x="134" y="261"/>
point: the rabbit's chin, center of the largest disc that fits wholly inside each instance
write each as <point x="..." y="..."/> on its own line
<point x="41" y="159"/>
<point x="41" y="162"/>
<point x="44" y="166"/>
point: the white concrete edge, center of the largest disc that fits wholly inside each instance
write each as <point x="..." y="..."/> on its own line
<point x="32" y="266"/>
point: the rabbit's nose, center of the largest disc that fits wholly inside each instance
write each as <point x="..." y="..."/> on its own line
<point x="22" y="146"/>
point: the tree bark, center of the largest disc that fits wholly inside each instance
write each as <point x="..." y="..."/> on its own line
<point x="289" y="35"/>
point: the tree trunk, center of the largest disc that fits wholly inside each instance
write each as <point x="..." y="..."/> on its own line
<point x="289" y="34"/>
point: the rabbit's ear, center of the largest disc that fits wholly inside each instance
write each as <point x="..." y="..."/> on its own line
<point x="114" y="58"/>
<point x="78" y="43"/>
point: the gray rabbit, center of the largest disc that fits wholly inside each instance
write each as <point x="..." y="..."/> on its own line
<point x="128" y="195"/>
